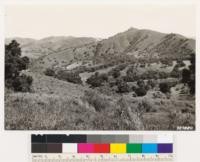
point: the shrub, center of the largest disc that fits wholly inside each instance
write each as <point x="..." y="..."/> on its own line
<point x="72" y="77"/>
<point x="97" y="79"/>
<point x="142" y="65"/>
<point x="184" y="119"/>
<point x="103" y="77"/>
<point x="140" y="83"/>
<point x="131" y="75"/>
<point x="192" y="86"/>
<point x="115" y="73"/>
<point x="180" y="63"/>
<point x="175" y="73"/>
<point x="144" y="106"/>
<point x="192" y="76"/>
<point x="134" y="87"/>
<point x="192" y="60"/>
<point x="166" y="61"/>
<point x="96" y="100"/>
<point x="185" y="76"/>
<point x="164" y="87"/>
<point x="123" y="87"/>
<point x="163" y="75"/>
<point x="141" y="91"/>
<point x="22" y="83"/>
<point x="125" y="117"/>
<point x="49" y="72"/>
<point x="151" y="83"/>
<point x="149" y="75"/>
<point x="121" y="67"/>
<point x="94" y="81"/>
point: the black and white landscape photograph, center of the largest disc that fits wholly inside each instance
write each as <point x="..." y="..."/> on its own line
<point x="100" y="67"/>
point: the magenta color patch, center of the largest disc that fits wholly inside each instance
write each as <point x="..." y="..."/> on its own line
<point x="85" y="148"/>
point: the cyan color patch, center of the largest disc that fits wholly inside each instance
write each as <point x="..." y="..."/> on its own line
<point x="150" y="148"/>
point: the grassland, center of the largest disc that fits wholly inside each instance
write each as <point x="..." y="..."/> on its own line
<point x="54" y="104"/>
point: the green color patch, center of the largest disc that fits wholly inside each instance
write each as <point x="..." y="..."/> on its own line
<point x="134" y="148"/>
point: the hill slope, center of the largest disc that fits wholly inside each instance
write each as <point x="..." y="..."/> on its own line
<point x="43" y="47"/>
<point x="131" y="44"/>
<point x="146" y="44"/>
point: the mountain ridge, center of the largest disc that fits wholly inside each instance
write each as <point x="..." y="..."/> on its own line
<point x="134" y="43"/>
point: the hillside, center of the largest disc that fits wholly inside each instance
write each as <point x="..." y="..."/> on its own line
<point x="145" y="44"/>
<point x="39" y="48"/>
<point x="129" y="45"/>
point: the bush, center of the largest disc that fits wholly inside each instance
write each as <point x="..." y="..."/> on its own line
<point x="98" y="101"/>
<point x="103" y="77"/>
<point x="131" y="75"/>
<point x="134" y="87"/>
<point x="164" y="87"/>
<point x="140" y="83"/>
<point x="150" y="74"/>
<point x="193" y="64"/>
<point x="180" y="63"/>
<point x="175" y="73"/>
<point x="94" y="81"/>
<point x="125" y="116"/>
<point x="49" y="72"/>
<point x="22" y="83"/>
<point x="166" y="61"/>
<point x="72" y="77"/>
<point x="144" y="106"/>
<point x="163" y="75"/>
<point x="123" y="87"/>
<point x="151" y="83"/>
<point x="142" y="65"/>
<point x="141" y="91"/>
<point x="115" y="73"/>
<point x="186" y="76"/>
<point x="192" y="86"/>
<point x="97" y="79"/>
<point x="192" y="76"/>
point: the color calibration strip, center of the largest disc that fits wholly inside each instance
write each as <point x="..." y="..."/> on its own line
<point x="102" y="144"/>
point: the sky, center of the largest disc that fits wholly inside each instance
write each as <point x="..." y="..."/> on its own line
<point x="99" y="21"/>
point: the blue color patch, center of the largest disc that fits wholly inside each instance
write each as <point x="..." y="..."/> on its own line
<point x="149" y="148"/>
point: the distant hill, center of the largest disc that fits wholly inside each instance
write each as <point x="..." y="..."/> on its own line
<point x="22" y="41"/>
<point x="146" y="44"/>
<point x="37" y="48"/>
<point x="132" y="43"/>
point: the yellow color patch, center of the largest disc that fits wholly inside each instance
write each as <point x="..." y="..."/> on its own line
<point x="118" y="148"/>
